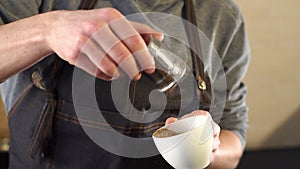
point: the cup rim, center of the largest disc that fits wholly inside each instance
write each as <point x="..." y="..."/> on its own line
<point x="180" y="120"/>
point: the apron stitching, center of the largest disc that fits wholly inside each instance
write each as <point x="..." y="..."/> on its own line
<point x="108" y="129"/>
<point x="91" y="5"/>
<point x="39" y="129"/>
<point x="105" y="124"/>
<point x="11" y="112"/>
<point x="44" y="134"/>
<point x="55" y="152"/>
<point x="83" y="4"/>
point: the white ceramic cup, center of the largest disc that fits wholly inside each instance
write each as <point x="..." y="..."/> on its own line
<point x="191" y="146"/>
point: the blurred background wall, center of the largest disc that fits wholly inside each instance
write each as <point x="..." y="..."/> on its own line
<point x="273" y="79"/>
<point x="274" y="75"/>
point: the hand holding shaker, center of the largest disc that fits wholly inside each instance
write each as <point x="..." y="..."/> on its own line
<point x="186" y="143"/>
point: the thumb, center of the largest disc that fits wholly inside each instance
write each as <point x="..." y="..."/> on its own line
<point x="170" y="120"/>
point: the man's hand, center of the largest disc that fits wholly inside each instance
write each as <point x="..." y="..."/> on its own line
<point x="227" y="148"/>
<point x="216" y="128"/>
<point x="99" y="41"/>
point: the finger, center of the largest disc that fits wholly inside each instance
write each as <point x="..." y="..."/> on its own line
<point x="117" y="51"/>
<point x="100" y="59"/>
<point x="108" y="67"/>
<point x="196" y="113"/>
<point x="212" y="157"/>
<point x="147" y="31"/>
<point x="142" y="58"/>
<point x="111" y="14"/>
<point x="216" y="144"/>
<point x="85" y="64"/>
<point x="170" y="120"/>
<point x="131" y="38"/>
<point x="216" y="129"/>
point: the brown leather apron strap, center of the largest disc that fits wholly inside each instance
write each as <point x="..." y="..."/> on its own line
<point x="87" y="4"/>
<point x="203" y="80"/>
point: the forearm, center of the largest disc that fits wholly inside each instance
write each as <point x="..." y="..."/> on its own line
<point x="229" y="152"/>
<point x="23" y="44"/>
<point x="96" y="41"/>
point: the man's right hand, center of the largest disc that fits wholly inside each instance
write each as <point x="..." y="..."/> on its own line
<point x="99" y="41"/>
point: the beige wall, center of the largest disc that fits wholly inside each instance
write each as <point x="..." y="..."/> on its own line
<point x="273" y="78"/>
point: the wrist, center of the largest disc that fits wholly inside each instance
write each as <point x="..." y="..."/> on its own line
<point x="47" y="25"/>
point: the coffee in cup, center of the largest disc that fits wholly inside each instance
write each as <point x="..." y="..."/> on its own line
<point x="186" y="143"/>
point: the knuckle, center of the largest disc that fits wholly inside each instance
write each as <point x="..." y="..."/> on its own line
<point x="74" y="53"/>
<point x="136" y="42"/>
<point x="102" y="24"/>
<point x="111" y="13"/>
<point x="90" y="27"/>
<point x="113" y="10"/>
<point x="80" y="42"/>
<point x="120" y="54"/>
<point x="94" y="26"/>
<point x="73" y="56"/>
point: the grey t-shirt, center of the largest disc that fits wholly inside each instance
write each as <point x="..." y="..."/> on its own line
<point x="221" y="23"/>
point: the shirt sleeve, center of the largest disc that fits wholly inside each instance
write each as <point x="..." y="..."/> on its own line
<point x="1" y="21"/>
<point x="13" y="10"/>
<point x="1" y="17"/>
<point x="235" y="63"/>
